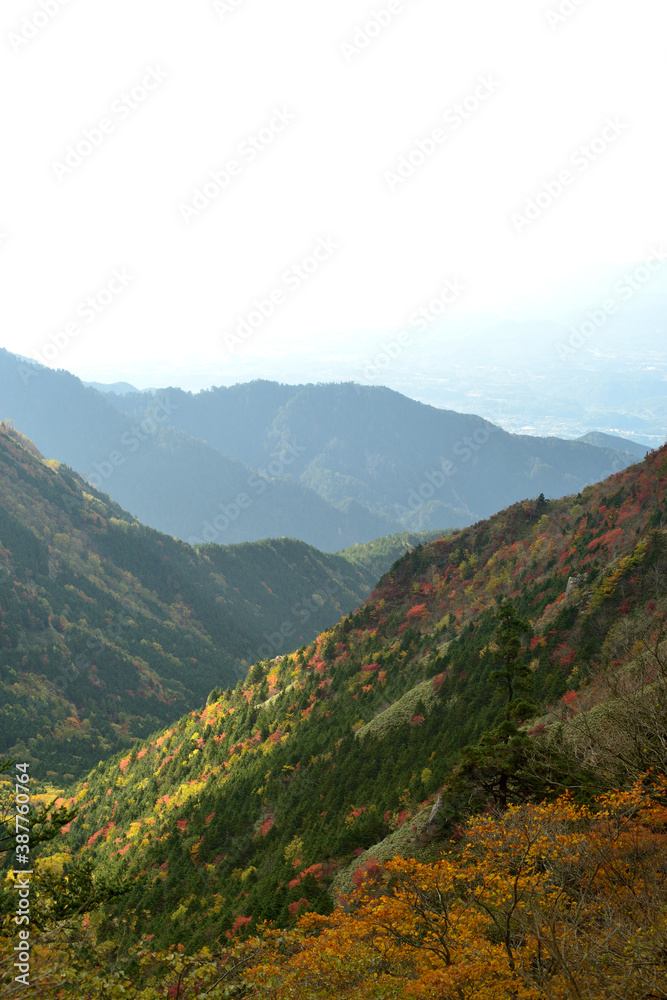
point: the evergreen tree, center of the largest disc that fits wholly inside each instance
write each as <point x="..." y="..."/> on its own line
<point x="491" y="771"/>
<point x="513" y="672"/>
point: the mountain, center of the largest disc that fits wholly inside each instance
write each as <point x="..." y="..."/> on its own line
<point x="538" y="368"/>
<point x="377" y="556"/>
<point x="638" y="451"/>
<point x="277" y="795"/>
<point x="334" y="465"/>
<point x="371" y="449"/>
<point x="174" y="483"/>
<point x="119" y="388"/>
<point x="109" y="630"/>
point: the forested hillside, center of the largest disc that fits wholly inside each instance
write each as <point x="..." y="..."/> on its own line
<point x="109" y="630"/>
<point x="323" y="764"/>
<point x="377" y="556"/>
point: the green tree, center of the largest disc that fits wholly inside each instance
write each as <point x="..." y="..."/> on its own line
<point x="492" y="771"/>
<point x="513" y="672"/>
<point x="509" y="765"/>
<point x="45" y="821"/>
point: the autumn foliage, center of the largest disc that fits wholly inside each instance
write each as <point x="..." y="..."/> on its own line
<point x="555" y="900"/>
<point x="237" y="829"/>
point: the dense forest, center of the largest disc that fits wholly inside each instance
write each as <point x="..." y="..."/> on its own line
<point x="109" y="630"/>
<point x="457" y="790"/>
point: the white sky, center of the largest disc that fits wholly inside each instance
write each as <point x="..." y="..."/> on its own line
<point x="555" y="86"/>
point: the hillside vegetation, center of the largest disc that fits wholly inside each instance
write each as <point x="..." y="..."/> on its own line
<point x="377" y="555"/>
<point x="263" y="804"/>
<point x="109" y="630"/>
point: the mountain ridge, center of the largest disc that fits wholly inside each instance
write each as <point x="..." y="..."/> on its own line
<point x="334" y="464"/>
<point x="168" y="480"/>
<point x="397" y="457"/>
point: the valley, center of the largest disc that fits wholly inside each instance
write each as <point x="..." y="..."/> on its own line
<point x="109" y="630"/>
<point x="317" y="769"/>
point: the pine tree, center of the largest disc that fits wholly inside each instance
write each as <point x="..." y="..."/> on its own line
<point x="491" y="771"/>
<point x="513" y="671"/>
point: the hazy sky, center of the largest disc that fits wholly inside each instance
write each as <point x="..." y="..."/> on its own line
<point x="370" y="158"/>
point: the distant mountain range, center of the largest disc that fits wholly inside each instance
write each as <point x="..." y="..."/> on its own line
<point x="390" y="455"/>
<point x="120" y="388"/>
<point x="331" y="464"/>
<point x="638" y="451"/>
<point x="539" y="367"/>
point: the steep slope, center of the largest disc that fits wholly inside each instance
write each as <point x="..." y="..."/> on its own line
<point x="167" y="479"/>
<point x="245" y="809"/>
<point x="392" y="456"/>
<point x="109" y="630"/>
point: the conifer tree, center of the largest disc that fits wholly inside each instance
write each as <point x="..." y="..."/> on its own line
<point x="490" y="772"/>
<point x="513" y="671"/>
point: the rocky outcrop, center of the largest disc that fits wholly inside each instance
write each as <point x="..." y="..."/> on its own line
<point x="432" y="827"/>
